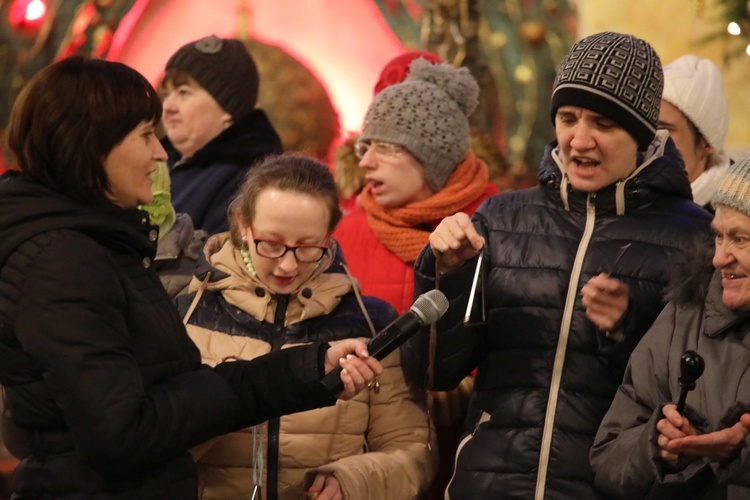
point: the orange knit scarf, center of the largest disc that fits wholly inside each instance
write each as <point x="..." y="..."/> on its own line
<point x="402" y="230"/>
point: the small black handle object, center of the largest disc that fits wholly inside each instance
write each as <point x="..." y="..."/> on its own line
<point x="691" y="368"/>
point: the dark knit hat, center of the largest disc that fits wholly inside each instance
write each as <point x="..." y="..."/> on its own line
<point x="224" y="68"/>
<point x="619" y="76"/>
<point x="428" y="115"/>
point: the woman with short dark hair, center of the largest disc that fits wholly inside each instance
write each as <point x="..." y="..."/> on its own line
<point x="105" y="391"/>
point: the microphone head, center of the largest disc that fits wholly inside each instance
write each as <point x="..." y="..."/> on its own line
<point x="430" y="306"/>
<point x="691" y="368"/>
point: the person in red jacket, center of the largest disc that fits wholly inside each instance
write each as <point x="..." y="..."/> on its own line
<point x="415" y="150"/>
<point x="419" y="167"/>
<point x="350" y="179"/>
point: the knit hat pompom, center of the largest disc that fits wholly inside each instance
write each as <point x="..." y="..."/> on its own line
<point x="618" y="76"/>
<point x="428" y="115"/>
<point x="224" y="68"/>
<point x="457" y="83"/>
<point x="733" y="190"/>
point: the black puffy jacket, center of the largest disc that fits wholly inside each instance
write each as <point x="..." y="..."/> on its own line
<point x="540" y="359"/>
<point x="105" y="390"/>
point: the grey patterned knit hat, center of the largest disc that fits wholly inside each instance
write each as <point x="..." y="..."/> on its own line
<point x="619" y="76"/>
<point x="733" y="190"/>
<point x="427" y="114"/>
<point x="224" y="68"/>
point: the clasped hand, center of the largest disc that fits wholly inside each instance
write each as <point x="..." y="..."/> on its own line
<point x="455" y="241"/>
<point x="358" y="368"/>
<point x="677" y="436"/>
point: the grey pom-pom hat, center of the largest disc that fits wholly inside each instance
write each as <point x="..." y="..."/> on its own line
<point x="428" y="115"/>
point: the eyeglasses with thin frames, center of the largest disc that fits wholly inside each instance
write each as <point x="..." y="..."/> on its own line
<point x="383" y="150"/>
<point x="272" y="249"/>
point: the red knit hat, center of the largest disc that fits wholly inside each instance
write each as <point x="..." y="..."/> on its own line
<point x="397" y="69"/>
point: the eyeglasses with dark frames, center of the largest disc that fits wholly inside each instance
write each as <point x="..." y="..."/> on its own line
<point x="272" y="249"/>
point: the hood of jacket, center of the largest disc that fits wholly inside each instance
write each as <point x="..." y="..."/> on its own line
<point x="691" y="288"/>
<point x="717" y="317"/>
<point x="28" y="208"/>
<point x="222" y="268"/>
<point x="659" y="173"/>
<point x="251" y="137"/>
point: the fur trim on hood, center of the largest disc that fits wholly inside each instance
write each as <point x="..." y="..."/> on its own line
<point x="691" y="287"/>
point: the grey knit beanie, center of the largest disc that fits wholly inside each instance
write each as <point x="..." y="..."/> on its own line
<point x="224" y="68"/>
<point x="616" y="75"/>
<point x="733" y="190"/>
<point x="428" y="115"/>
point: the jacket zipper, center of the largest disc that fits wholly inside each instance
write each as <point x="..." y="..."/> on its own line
<point x="562" y="345"/>
<point x="274" y="424"/>
<point x="484" y="417"/>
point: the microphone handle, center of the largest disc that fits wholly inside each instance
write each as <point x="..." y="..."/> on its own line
<point x="681" y="401"/>
<point x="393" y="335"/>
<point x="380" y="346"/>
<point x="332" y="381"/>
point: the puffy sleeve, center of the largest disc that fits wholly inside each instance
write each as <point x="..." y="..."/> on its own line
<point x="72" y="320"/>
<point x="458" y="346"/>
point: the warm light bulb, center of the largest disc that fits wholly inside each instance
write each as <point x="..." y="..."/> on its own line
<point x="27" y="14"/>
<point x="747" y="50"/>
<point x="35" y="10"/>
<point x="734" y="29"/>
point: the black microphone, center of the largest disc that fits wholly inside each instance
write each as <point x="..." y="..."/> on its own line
<point x="427" y="309"/>
<point x="691" y="367"/>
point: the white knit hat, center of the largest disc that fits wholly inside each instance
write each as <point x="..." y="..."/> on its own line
<point x="695" y="86"/>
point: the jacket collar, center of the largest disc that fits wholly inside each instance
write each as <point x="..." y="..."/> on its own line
<point x="717" y="317"/>
<point x="28" y="208"/>
<point x="250" y="138"/>
<point x="318" y="296"/>
<point x="659" y="173"/>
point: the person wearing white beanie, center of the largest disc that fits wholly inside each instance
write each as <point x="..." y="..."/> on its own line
<point x="694" y="111"/>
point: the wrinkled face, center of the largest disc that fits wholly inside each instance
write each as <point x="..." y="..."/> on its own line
<point x="595" y="150"/>
<point x="693" y="148"/>
<point x="291" y="218"/>
<point x="130" y="164"/>
<point x="732" y="256"/>
<point x="192" y="117"/>
<point x="396" y="176"/>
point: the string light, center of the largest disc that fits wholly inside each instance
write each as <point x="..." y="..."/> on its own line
<point x="27" y="14"/>
<point x="35" y="10"/>
<point x="734" y="29"/>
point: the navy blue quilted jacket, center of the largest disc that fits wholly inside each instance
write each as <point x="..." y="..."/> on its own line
<point x="546" y="375"/>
